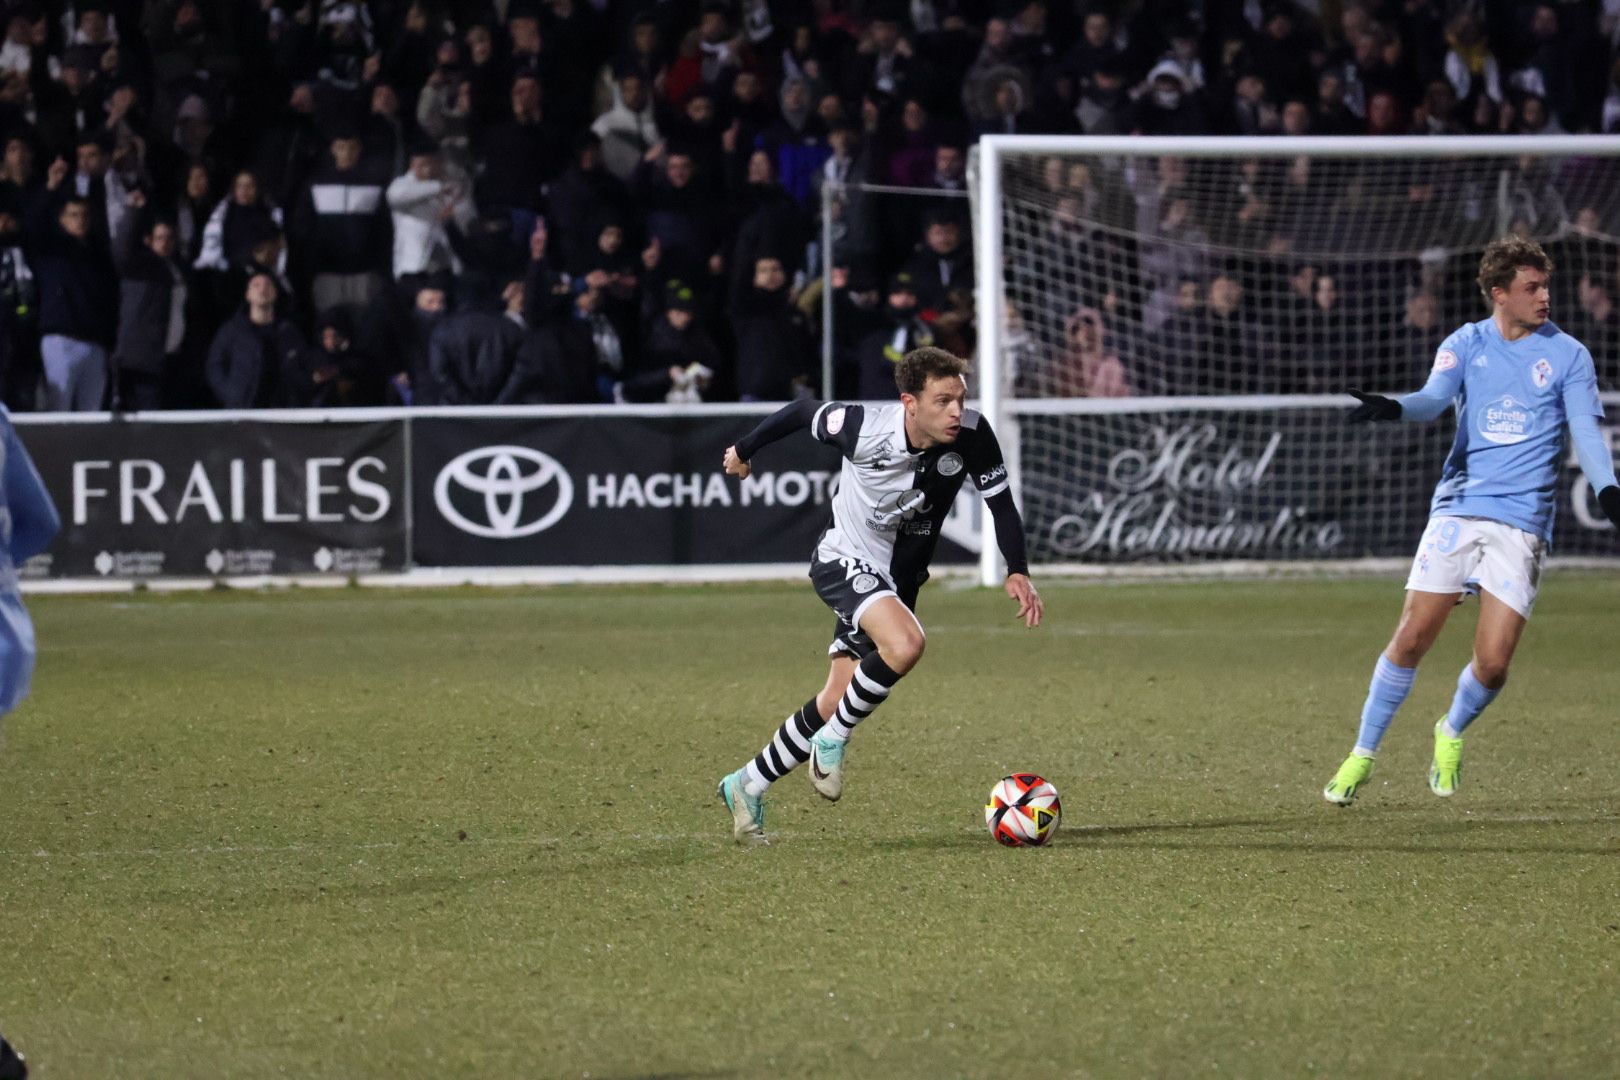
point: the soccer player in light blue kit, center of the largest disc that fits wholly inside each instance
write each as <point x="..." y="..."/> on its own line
<point x="28" y="523"/>
<point x="1517" y="381"/>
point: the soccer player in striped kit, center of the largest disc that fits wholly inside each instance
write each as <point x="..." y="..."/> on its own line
<point x="903" y="466"/>
<point x="1517" y="382"/>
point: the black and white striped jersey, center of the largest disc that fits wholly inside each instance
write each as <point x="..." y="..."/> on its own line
<point x="891" y="498"/>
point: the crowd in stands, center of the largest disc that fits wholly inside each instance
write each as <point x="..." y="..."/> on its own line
<point x="261" y="203"/>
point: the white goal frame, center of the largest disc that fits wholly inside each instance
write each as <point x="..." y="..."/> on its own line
<point x="986" y="172"/>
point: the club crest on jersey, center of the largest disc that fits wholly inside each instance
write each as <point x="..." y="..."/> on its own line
<point x="1541" y="374"/>
<point x="864" y="583"/>
<point x="950" y="464"/>
<point x="835" y="421"/>
<point x="1445" y="360"/>
<point x="1507" y="420"/>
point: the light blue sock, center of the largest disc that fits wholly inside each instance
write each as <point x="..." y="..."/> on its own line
<point x="1472" y="697"/>
<point x="1389" y="687"/>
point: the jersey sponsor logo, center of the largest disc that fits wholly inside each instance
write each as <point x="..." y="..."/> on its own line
<point x="950" y="464"/>
<point x="523" y="492"/>
<point x="997" y="473"/>
<point x="1507" y="421"/>
<point x="1445" y="360"/>
<point x="864" y="583"/>
<point x="897" y="506"/>
<point x="1542" y="373"/>
<point x="835" y="421"/>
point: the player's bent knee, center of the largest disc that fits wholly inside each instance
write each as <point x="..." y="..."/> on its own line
<point x="1492" y="672"/>
<point x="903" y="652"/>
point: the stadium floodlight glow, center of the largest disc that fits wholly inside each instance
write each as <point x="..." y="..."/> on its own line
<point x="1166" y="326"/>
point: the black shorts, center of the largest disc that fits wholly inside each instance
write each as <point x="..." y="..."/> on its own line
<point x="849" y="587"/>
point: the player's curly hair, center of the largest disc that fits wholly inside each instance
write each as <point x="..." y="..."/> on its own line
<point x="1502" y="259"/>
<point x="915" y="368"/>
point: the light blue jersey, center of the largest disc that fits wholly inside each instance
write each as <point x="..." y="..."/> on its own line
<point x="1513" y="401"/>
<point x="28" y="523"/>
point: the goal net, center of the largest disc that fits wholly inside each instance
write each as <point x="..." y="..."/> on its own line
<point x="1167" y="327"/>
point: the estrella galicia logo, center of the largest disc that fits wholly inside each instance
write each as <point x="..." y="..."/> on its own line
<point x="523" y="492"/>
<point x="1507" y="421"/>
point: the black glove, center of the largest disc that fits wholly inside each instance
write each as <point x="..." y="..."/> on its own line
<point x="1609" y="499"/>
<point x="1373" y="407"/>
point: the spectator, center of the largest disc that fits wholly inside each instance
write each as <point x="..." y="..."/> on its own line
<point x="797" y="141"/>
<point x="1170" y="106"/>
<point x="77" y="290"/>
<point x="680" y="359"/>
<point x="1597" y="324"/>
<point x="1469" y="64"/>
<point x="1006" y="107"/>
<point x="444" y="112"/>
<point x="1281" y="52"/>
<point x="586" y="195"/>
<point x="1333" y="113"/>
<point x="911" y="155"/>
<point x="1088" y="367"/>
<point x="883" y="59"/>
<point x="387" y="133"/>
<point x="773" y="342"/>
<point x="1549" y="73"/>
<point x="628" y="129"/>
<point x="520" y="155"/>
<point x="152" y="323"/>
<point x="239" y="223"/>
<point x="682" y="224"/>
<point x="257" y="358"/>
<point x="341" y="229"/>
<point x="411" y="380"/>
<point x="285" y="155"/>
<point x="426" y="207"/>
<point x="474" y="355"/>
<point x="19" y="318"/>
<point x="943" y="263"/>
<point x="772" y="225"/>
<point x="1253" y="113"/>
<point x="1098" y="49"/>
<point x="1233" y="355"/>
<point x="1411" y="353"/>
<point x="336" y="373"/>
<point x="883" y="347"/>
<point x="1105" y="107"/>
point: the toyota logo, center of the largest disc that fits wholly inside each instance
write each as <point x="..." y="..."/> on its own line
<point x="503" y="475"/>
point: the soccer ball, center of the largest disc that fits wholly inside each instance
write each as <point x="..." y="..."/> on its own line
<point x="1023" y="810"/>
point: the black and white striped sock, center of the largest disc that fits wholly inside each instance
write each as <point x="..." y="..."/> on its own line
<point x="788" y="749"/>
<point x="867" y="690"/>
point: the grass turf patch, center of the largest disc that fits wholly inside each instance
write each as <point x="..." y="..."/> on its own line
<point x="472" y="833"/>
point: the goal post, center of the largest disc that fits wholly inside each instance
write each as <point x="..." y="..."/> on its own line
<point x="1166" y="327"/>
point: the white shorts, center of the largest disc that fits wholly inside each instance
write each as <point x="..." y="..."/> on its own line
<point x="1459" y="554"/>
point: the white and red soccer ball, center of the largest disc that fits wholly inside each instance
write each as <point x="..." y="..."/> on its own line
<point x="1023" y="810"/>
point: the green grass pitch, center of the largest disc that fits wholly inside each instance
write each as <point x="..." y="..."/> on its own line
<point x="473" y="834"/>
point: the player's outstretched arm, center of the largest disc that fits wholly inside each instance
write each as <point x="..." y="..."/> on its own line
<point x="1596" y="462"/>
<point x="1010" y="539"/>
<point x="794" y="416"/>
<point x="1445" y="379"/>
